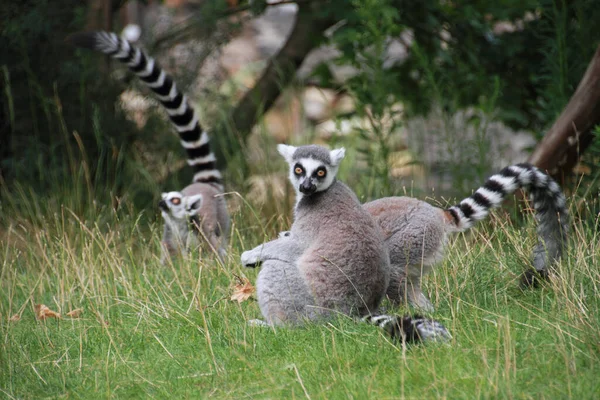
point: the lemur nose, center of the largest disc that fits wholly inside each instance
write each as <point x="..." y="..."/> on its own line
<point x="308" y="187"/>
<point x="163" y="205"/>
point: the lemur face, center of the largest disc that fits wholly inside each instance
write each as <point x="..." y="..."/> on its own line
<point x="312" y="168"/>
<point x="175" y="205"/>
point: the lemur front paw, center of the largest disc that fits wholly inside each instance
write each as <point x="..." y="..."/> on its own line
<point x="251" y="259"/>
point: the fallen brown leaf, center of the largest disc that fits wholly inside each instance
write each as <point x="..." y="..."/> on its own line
<point x="76" y="313"/>
<point x="243" y="290"/>
<point x="42" y="312"/>
<point x="15" y="318"/>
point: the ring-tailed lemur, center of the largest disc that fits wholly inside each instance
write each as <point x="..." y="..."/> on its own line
<point x="416" y="232"/>
<point x="207" y="215"/>
<point x="284" y="297"/>
<point x="329" y="221"/>
<point x="334" y="258"/>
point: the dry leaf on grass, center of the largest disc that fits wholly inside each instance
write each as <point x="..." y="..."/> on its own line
<point x="15" y="318"/>
<point x="243" y="290"/>
<point x="76" y="313"/>
<point x="42" y="312"/>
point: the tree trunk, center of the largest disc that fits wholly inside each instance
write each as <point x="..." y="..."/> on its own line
<point x="306" y="34"/>
<point x="560" y="149"/>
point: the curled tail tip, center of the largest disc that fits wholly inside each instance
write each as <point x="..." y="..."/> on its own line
<point x="425" y="330"/>
<point x="409" y="329"/>
<point x="106" y="42"/>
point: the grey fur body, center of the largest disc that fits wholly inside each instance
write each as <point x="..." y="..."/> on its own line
<point x="416" y="232"/>
<point x="345" y="264"/>
<point x="342" y="259"/>
<point x="207" y="221"/>
<point x="208" y="224"/>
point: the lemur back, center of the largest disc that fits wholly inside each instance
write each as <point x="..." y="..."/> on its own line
<point x="416" y="232"/>
<point x="208" y="218"/>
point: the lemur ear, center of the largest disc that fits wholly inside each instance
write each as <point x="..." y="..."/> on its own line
<point x="193" y="204"/>
<point x="286" y="151"/>
<point x="337" y="155"/>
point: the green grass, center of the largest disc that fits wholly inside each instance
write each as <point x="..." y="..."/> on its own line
<point x="172" y="332"/>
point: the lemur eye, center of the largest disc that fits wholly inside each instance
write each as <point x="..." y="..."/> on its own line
<point x="298" y="170"/>
<point x="176" y="200"/>
<point x="321" y="173"/>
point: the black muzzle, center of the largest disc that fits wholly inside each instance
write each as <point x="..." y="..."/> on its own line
<point x="163" y="205"/>
<point x="307" y="187"/>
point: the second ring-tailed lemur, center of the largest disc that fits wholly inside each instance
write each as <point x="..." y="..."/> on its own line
<point x="334" y="259"/>
<point x="416" y="232"/>
<point x="206" y="214"/>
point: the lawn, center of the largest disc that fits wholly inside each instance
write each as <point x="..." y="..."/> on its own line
<point x="172" y="331"/>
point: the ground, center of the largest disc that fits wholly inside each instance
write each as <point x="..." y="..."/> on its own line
<point x="172" y="331"/>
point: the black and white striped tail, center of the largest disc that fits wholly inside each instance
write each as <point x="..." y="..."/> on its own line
<point x="410" y="329"/>
<point x="195" y="141"/>
<point x="548" y="202"/>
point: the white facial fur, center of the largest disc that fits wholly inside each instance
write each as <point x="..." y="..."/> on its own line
<point x="180" y="207"/>
<point x="174" y="204"/>
<point x="309" y="167"/>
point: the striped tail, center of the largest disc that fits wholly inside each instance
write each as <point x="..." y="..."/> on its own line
<point x="548" y="202"/>
<point x="409" y="329"/>
<point x="195" y="141"/>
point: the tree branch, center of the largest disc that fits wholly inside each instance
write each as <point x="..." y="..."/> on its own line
<point x="560" y="149"/>
<point x="305" y="35"/>
<point x="193" y="23"/>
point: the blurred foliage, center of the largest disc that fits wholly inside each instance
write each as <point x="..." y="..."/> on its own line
<point x="517" y="62"/>
<point x="61" y="127"/>
<point x="458" y="53"/>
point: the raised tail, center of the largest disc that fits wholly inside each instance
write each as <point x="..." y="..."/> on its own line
<point x="195" y="140"/>
<point x="409" y="329"/>
<point x="548" y="202"/>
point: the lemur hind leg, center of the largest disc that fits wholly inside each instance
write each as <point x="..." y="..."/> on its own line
<point x="283" y="296"/>
<point x="416" y="297"/>
<point x="415" y="234"/>
<point x="405" y="287"/>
